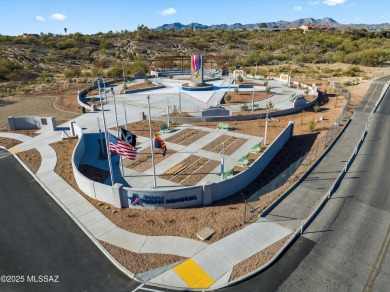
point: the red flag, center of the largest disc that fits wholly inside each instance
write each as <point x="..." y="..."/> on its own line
<point x="159" y="143"/>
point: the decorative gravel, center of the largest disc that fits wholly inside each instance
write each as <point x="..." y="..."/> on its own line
<point x="186" y="137"/>
<point x="231" y="144"/>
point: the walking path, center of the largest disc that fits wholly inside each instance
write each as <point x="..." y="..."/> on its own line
<point x="209" y="265"/>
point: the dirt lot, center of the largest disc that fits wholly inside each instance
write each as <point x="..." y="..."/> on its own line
<point x="59" y="103"/>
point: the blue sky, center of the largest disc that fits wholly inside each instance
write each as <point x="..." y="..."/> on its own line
<point x="88" y="17"/>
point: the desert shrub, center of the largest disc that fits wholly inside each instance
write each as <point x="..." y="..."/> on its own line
<point x="316" y="108"/>
<point x="236" y="89"/>
<point x="9" y="70"/>
<point x="72" y="72"/>
<point x="240" y="78"/>
<point x="244" y="108"/>
<point x="311" y="125"/>
<point x="270" y="105"/>
<point x="228" y="97"/>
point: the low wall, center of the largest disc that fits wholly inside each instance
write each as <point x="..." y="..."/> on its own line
<point x="236" y="183"/>
<point x="143" y="89"/>
<point x="173" y="197"/>
<point x="92" y="188"/>
<point x="82" y="94"/>
<point x="29" y="123"/>
<point x="162" y="198"/>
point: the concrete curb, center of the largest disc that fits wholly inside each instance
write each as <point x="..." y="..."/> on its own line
<point x="78" y="223"/>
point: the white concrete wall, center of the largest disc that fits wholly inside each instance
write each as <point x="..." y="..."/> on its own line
<point x="91" y="188"/>
<point x="176" y="197"/>
<point x="28" y="123"/>
<point x="237" y="182"/>
<point x="163" y="197"/>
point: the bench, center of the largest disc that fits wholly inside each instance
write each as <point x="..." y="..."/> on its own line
<point x="164" y="128"/>
<point x="243" y="161"/>
<point x="255" y="148"/>
<point x="292" y="97"/>
<point x="223" y="126"/>
<point x="228" y="173"/>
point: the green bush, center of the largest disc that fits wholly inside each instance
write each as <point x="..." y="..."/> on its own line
<point x="244" y="108"/>
<point x="228" y="97"/>
<point x="240" y="78"/>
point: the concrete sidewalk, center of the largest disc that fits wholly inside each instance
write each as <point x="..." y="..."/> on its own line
<point x="207" y="265"/>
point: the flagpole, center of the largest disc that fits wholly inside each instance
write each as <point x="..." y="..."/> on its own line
<point x="151" y="142"/>
<point x="223" y="160"/>
<point x="124" y="107"/>
<point x="106" y="136"/>
<point x="117" y="130"/>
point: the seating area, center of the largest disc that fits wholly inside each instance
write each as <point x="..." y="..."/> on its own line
<point x="243" y="161"/>
<point x="164" y="128"/>
<point x="255" y="148"/>
<point x="228" y="173"/>
<point x="223" y="126"/>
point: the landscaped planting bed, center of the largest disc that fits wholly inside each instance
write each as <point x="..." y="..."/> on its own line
<point x="230" y="144"/>
<point x="186" y="137"/>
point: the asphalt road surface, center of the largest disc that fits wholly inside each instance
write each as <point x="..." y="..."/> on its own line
<point x="38" y="239"/>
<point x="346" y="248"/>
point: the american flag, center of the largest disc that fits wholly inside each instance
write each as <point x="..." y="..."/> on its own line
<point x="122" y="148"/>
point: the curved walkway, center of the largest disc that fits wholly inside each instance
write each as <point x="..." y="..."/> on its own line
<point x="210" y="266"/>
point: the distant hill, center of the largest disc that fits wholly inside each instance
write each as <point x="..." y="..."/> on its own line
<point x="281" y="23"/>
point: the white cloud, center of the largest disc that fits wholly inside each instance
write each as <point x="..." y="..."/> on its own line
<point x="39" y="18"/>
<point x="57" y="16"/>
<point x="314" y="2"/>
<point x="334" y="2"/>
<point x="168" y="11"/>
<point x="297" y="8"/>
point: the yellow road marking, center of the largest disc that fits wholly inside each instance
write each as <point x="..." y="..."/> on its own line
<point x="14" y="150"/>
<point x="193" y="275"/>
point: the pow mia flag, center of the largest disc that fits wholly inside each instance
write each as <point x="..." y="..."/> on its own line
<point x="128" y="137"/>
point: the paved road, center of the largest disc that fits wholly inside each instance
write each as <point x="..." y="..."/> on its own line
<point x="38" y="238"/>
<point x="346" y="246"/>
<point x="351" y="234"/>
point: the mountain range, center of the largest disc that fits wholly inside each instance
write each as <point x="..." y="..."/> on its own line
<point x="281" y="23"/>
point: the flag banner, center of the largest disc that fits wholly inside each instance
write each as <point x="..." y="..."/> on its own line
<point x="159" y="143"/>
<point x="129" y="137"/>
<point x="120" y="147"/>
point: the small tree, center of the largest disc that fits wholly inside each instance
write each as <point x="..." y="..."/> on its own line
<point x="236" y="90"/>
<point x="240" y="79"/>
